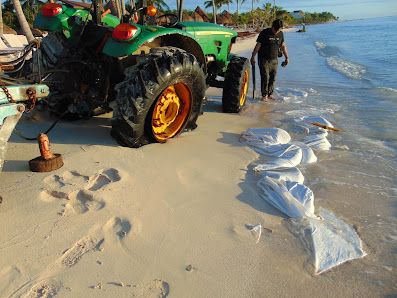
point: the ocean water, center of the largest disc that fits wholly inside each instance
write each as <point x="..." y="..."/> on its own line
<point x="346" y="72"/>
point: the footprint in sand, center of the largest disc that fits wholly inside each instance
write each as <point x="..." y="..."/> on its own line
<point x="81" y="247"/>
<point x="157" y="288"/>
<point x="80" y="190"/>
<point x="67" y="181"/>
<point x="103" y="178"/>
<point x="45" y="288"/>
<point x="82" y="201"/>
<point x="116" y="229"/>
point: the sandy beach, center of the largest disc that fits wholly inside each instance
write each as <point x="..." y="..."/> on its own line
<point x="169" y="219"/>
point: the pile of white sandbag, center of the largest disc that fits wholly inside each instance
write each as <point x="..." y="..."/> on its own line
<point x="334" y="242"/>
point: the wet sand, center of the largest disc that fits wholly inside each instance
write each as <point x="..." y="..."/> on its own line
<point x="163" y="220"/>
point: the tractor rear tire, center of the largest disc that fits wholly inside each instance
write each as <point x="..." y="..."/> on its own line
<point x="161" y="96"/>
<point x="236" y="85"/>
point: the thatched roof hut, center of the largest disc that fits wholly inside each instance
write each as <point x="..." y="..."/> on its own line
<point x="158" y="13"/>
<point x="226" y="18"/>
<point x="202" y="14"/>
<point x="196" y="17"/>
<point x="8" y="30"/>
<point x="222" y="19"/>
<point x="161" y="21"/>
<point x="186" y="17"/>
<point x="227" y="14"/>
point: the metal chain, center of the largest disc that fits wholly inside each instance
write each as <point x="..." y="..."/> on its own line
<point x="32" y="97"/>
<point x="3" y="86"/>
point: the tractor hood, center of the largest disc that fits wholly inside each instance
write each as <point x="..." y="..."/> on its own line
<point x="201" y="29"/>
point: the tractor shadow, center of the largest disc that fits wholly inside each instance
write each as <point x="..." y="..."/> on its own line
<point x="93" y="131"/>
<point x="250" y="192"/>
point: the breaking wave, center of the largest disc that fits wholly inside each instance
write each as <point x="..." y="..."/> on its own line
<point x="386" y="91"/>
<point x="347" y="68"/>
<point x="326" y="50"/>
<point x="294" y="94"/>
<point x="343" y="66"/>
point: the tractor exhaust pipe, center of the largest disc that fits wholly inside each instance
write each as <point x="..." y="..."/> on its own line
<point x="180" y="11"/>
<point x="141" y="12"/>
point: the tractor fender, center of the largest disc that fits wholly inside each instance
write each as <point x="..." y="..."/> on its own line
<point x="154" y="38"/>
<point x="70" y="20"/>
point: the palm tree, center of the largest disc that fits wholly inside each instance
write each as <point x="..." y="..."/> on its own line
<point x="216" y="4"/>
<point x="22" y="21"/>
<point x="1" y="22"/>
<point x="213" y="3"/>
<point x="214" y="9"/>
<point x="267" y="10"/>
<point x="253" y="5"/>
<point x="238" y="4"/>
<point x="228" y="4"/>
<point x="274" y="8"/>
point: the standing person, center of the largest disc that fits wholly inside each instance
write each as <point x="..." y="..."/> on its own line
<point x="267" y="45"/>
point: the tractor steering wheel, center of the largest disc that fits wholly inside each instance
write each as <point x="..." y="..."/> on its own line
<point x="170" y="20"/>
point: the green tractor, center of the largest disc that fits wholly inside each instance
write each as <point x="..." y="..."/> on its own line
<point x="153" y="72"/>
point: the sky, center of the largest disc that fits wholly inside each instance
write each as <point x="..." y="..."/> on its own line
<point x="344" y="9"/>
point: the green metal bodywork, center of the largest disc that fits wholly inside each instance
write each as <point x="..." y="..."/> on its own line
<point x="10" y="112"/>
<point x="70" y="21"/>
<point x="9" y="116"/>
<point x="19" y="92"/>
<point x="213" y="39"/>
<point x="201" y="39"/>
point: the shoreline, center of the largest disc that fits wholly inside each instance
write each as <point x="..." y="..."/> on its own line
<point x="163" y="220"/>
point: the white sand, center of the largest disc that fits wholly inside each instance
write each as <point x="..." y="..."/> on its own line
<point x="166" y="219"/>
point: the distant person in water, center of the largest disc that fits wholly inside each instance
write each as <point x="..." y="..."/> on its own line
<point x="267" y="46"/>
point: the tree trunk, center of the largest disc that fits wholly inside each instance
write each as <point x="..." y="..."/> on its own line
<point x="22" y="21"/>
<point x="274" y="9"/>
<point x="214" y="9"/>
<point x="123" y="10"/>
<point x="1" y="21"/>
<point x="180" y="10"/>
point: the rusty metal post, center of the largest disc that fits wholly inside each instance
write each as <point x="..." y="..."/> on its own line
<point x="48" y="161"/>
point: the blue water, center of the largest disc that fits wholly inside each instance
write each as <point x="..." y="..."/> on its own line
<point x="350" y="68"/>
<point x="346" y="72"/>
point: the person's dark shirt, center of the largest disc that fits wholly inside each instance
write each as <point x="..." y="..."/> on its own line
<point x="269" y="44"/>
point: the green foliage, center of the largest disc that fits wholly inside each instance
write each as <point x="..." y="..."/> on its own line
<point x="315" y="18"/>
<point x="30" y="9"/>
<point x="264" y="17"/>
<point x="218" y="4"/>
<point x="10" y="19"/>
<point x="240" y="19"/>
<point x="259" y="17"/>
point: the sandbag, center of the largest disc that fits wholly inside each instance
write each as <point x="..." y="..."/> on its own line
<point x="291" y="198"/>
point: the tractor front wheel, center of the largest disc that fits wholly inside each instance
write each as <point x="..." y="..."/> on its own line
<point x="236" y="85"/>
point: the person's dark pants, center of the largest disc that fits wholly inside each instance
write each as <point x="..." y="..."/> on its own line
<point x="268" y="69"/>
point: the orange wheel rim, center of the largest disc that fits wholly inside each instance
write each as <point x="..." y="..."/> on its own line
<point x="244" y="88"/>
<point x="171" y="112"/>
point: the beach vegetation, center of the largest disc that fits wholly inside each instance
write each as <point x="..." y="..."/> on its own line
<point x="256" y="18"/>
<point x="30" y="9"/>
